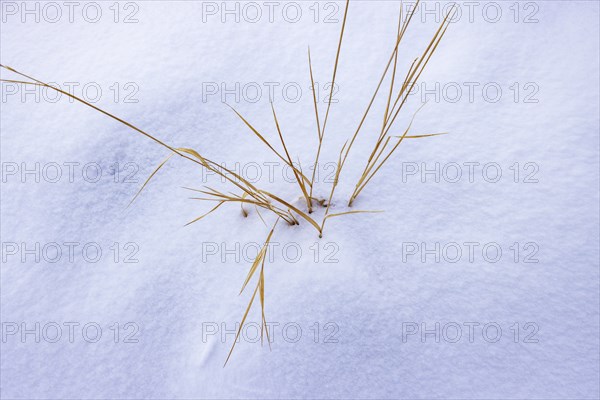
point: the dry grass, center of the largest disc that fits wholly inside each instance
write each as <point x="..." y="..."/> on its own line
<point x="260" y="288"/>
<point x="250" y="195"/>
<point x="390" y="115"/>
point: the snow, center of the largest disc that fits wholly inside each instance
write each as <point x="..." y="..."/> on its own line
<point x="367" y="289"/>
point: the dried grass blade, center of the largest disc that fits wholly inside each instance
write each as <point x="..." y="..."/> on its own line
<point x="262" y="304"/>
<point x="259" y="257"/>
<point x="244" y="212"/>
<point x="420" y="67"/>
<point x="249" y="188"/>
<point x="423" y="136"/>
<point x="21" y="82"/>
<point x="295" y="209"/>
<point x="314" y="90"/>
<point x="202" y="216"/>
<point x="333" y="187"/>
<point x="182" y="152"/>
<point x="335" y="67"/>
<point x="383" y="75"/>
<point x="320" y="135"/>
<point x="122" y="121"/>
<point x="386" y="157"/>
<point x="259" y="215"/>
<point x="265" y="141"/>
<point x="298" y="179"/>
<point x="241" y="325"/>
<point x="389" y="100"/>
<point x="150" y="177"/>
<point x="353" y="212"/>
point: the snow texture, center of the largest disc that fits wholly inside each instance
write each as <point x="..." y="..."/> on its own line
<point x="369" y="289"/>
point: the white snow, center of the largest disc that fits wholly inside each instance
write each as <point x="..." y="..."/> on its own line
<point x="376" y="290"/>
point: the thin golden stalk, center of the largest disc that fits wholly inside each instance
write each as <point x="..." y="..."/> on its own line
<point x="268" y="144"/>
<point x="320" y="135"/>
<point x="398" y="37"/>
<point x="383" y="75"/>
<point x="150" y="177"/>
<point x="218" y="196"/>
<point x="420" y="67"/>
<point x="389" y="120"/>
<point x="359" y="189"/>
<point x="423" y="136"/>
<point x="259" y="215"/>
<point x="204" y="215"/>
<point x="259" y="256"/>
<point x="260" y="259"/>
<point x="289" y="158"/>
<point x="293" y="208"/>
<point x="402" y="89"/>
<point x="353" y="212"/>
<point x="373" y="162"/>
<point x="244" y="212"/>
<point x="241" y="324"/>
<point x="333" y="187"/>
<point x="263" y="324"/>
<point x="189" y="154"/>
<point x="342" y="159"/>
<point x="252" y="191"/>
<point x="387" y="114"/>
<point x="335" y="67"/>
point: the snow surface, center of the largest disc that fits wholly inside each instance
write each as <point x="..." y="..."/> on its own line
<point x="177" y="292"/>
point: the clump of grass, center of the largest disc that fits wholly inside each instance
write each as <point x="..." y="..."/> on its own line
<point x="390" y="115"/>
<point x="260" y="198"/>
<point x="302" y="180"/>
<point x="321" y="131"/>
<point x="250" y="195"/>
